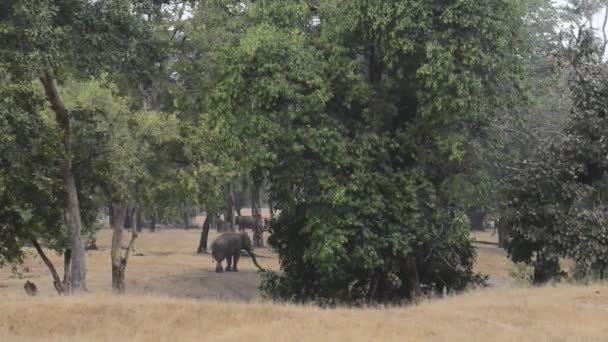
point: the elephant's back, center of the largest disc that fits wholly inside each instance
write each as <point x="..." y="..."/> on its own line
<point x="226" y="240"/>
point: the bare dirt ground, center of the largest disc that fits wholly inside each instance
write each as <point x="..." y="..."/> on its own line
<point x="165" y="263"/>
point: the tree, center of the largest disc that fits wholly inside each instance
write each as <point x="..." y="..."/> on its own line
<point x="49" y="41"/>
<point x="358" y="123"/>
<point x="30" y="196"/>
<point x="557" y="202"/>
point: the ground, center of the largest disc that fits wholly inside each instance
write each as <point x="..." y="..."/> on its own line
<point x="175" y="295"/>
<point x="506" y="314"/>
<point x="165" y="263"/>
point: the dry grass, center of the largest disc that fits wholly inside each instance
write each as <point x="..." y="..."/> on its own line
<point x="548" y="314"/>
<point x="167" y="280"/>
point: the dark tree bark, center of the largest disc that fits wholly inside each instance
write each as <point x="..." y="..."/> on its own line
<point x="502" y="232"/>
<point x="56" y="280"/>
<point x="129" y="216"/>
<point x="186" y="220"/>
<point x="110" y="215"/>
<point x="152" y="223"/>
<point x="118" y="258"/>
<point x="229" y="217"/>
<point x="476" y="217"/>
<point x="256" y="212"/>
<point x="202" y="245"/>
<point x="139" y="222"/>
<point x="378" y="288"/>
<point x="410" y="282"/>
<point x="67" y="260"/>
<point x="71" y="205"/>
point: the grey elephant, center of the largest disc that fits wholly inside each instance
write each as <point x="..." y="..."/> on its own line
<point x="228" y="246"/>
<point x="245" y="222"/>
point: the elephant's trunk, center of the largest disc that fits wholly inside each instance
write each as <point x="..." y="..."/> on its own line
<point x="255" y="261"/>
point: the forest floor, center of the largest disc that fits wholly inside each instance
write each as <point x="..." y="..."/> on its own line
<point x="175" y="295"/>
<point x="165" y="263"/>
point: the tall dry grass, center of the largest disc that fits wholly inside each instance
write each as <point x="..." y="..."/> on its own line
<point x="175" y="295"/>
<point x="535" y="314"/>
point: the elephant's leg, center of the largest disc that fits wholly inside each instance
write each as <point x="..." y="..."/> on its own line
<point x="237" y="255"/>
<point x="218" y="266"/>
<point x="229" y="263"/>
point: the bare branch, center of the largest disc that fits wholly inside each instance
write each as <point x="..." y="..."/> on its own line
<point x="604" y="30"/>
<point x="51" y="267"/>
<point x="131" y="247"/>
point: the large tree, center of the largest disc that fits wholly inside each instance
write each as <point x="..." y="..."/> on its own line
<point x="359" y="115"/>
<point x="51" y="41"/>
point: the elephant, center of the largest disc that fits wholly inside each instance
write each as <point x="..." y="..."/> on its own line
<point x="245" y="222"/>
<point x="228" y="246"/>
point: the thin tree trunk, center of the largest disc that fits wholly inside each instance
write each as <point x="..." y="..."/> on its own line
<point x="202" y="245"/>
<point x="502" y="232"/>
<point x="56" y="280"/>
<point x="118" y="258"/>
<point x="476" y="217"/>
<point x="129" y="218"/>
<point x="186" y="222"/>
<point x="229" y="206"/>
<point x="258" y="234"/>
<point x="152" y="223"/>
<point x="410" y="282"/>
<point x="110" y="215"/>
<point x="139" y="224"/>
<point x="67" y="260"/>
<point x="71" y="206"/>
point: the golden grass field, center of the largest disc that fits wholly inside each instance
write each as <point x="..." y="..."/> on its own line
<point x="175" y="295"/>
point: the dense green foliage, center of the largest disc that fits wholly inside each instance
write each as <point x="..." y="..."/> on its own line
<point x="30" y="191"/>
<point x="557" y="204"/>
<point x="381" y="131"/>
<point x="360" y="124"/>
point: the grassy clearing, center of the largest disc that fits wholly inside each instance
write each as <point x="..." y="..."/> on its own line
<point x="174" y="295"/>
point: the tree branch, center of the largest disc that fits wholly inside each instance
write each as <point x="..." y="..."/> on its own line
<point x="604" y="31"/>
<point x="125" y="259"/>
<point x="49" y="264"/>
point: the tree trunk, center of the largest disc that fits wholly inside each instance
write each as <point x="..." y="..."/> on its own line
<point x="152" y="223"/>
<point x="502" y="233"/>
<point x="202" y="245"/>
<point x="139" y="223"/>
<point x="129" y="216"/>
<point x="258" y="234"/>
<point x="186" y="222"/>
<point x="56" y="280"/>
<point x="71" y="206"/>
<point x="126" y="218"/>
<point x="378" y="288"/>
<point x="229" y="206"/>
<point x="410" y="283"/>
<point x="476" y="217"/>
<point x="67" y="260"/>
<point x="110" y="215"/>
<point x="271" y="209"/>
<point x="118" y="258"/>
